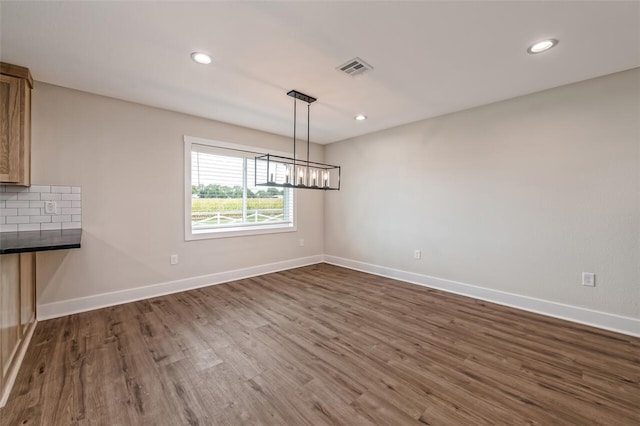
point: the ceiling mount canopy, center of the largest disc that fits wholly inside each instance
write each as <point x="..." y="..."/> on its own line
<point x="285" y="172"/>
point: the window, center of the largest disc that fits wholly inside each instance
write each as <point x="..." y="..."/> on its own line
<point x="221" y="198"/>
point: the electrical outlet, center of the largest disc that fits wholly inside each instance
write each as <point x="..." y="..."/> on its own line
<point x="174" y="259"/>
<point x="417" y="254"/>
<point x="301" y="242"/>
<point x="50" y="207"/>
<point x="588" y="279"/>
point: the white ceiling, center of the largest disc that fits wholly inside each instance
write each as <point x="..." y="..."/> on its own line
<point x="429" y="58"/>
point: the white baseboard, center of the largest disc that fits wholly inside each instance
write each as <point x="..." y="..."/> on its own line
<point x="620" y="324"/>
<point x="83" y="304"/>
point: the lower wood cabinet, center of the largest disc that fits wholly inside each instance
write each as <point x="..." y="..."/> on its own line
<point x="27" y="290"/>
<point x="9" y="309"/>
<point x="17" y="313"/>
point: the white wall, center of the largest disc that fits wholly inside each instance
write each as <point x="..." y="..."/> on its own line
<point x="519" y="196"/>
<point x="128" y="159"/>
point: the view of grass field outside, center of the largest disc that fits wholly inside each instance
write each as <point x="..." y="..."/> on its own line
<point x="224" y="195"/>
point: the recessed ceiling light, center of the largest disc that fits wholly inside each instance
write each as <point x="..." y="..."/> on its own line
<point x="360" y="117"/>
<point x="542" y="46"/>
<point x="201" y="58"/>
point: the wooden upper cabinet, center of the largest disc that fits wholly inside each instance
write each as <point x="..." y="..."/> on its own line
<point x="15" y="112"/>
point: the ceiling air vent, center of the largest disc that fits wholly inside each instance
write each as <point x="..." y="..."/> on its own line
<point x="354" y="67"/>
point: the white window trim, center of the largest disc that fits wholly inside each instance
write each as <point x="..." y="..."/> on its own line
<point x="189" y="235"/>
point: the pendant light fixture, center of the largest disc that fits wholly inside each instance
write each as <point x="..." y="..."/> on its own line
<point x="285" y="172"/>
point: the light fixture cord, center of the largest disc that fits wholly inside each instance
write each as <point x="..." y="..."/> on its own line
<point x="294" y="138"/>
<point x="308" y="118"/>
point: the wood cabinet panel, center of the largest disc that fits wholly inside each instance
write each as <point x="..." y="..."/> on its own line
<point x="15" y="127"/>
<point x="25" y="146"/>
<point x="9" y="309"/>
<point x="27" y="290"/>
<point x="10" y="133"/>
<point x="17" y="314"/>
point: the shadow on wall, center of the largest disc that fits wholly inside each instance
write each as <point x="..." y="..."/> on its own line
<point x="72" y="274"/>
<point x="48" y="263"/>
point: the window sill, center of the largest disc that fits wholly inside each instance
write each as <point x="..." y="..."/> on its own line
<point x="207" y="234"/>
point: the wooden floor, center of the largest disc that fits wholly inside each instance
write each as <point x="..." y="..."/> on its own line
<point x="323" y="345"/>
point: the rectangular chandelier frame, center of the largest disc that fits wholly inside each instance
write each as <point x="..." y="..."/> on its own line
<point x="285" y="172"/>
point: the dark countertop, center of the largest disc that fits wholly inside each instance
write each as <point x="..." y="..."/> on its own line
<point x="28" y="241"/>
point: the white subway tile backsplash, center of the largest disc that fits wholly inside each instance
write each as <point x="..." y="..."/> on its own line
<point x="61" y="189"/>
<point x="50" y="226"/>
<point x="70" y="210"/>
<point x="50" y="197"/>
<point x="39" y="219"/>
<point x="59" y="218"/>
<point x="28" y="212"/>
<point x="16" y="204"/>
<point x="17" y="219"/>
<point x="40" y="188"/>
<point x="35" y="196"/>
<point x="22" y="208"/>
<point x="71" y="225"/>
<point x="12" y="188"/>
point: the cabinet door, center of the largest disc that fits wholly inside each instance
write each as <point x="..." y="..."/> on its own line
<point x="27" y="290"/>
<point x="9" y="308"/>
<point x="11" y="130"/>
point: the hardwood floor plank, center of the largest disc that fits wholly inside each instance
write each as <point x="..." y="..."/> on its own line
<point x="323" y="345"/>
